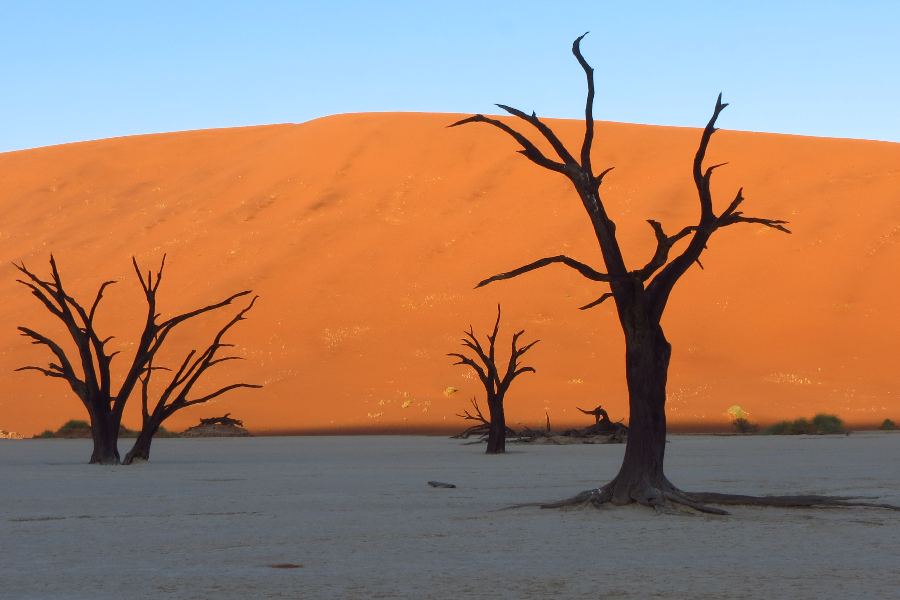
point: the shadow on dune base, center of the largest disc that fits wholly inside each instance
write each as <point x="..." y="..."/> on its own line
<point x="448" y="430"/>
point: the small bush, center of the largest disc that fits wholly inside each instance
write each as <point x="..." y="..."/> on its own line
<point x="888" y="425"/>
<point x="742" y="425"/>
<point x="165" y="433"/>
<point x="72" y="425"/>
<point x="821" y="424"/>
<point x="82" y="429"/>
<point x="162" y="432"/>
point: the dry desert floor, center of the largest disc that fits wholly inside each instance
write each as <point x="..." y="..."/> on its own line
<point x="206" y="518"/>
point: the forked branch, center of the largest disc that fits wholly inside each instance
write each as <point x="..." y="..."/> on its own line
<point x="529" y="150"/>
<point x="661" y="286"/>
<point x="175" y="396"/>
<point x="494" y="384"/>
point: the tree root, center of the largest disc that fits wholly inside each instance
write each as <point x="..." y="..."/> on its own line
<point x="666" y="501"/>
<point x="801" y="501"/>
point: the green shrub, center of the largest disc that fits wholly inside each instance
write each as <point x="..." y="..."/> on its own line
<point x="888" y="425"/>
<point x="73" y="424"/>
<point x="162" y="432"/>
<point x="787" y="428"/>
<point x="824" y="423"/>
<point x="75" y="428"/>
<point x="742" y="425"/>
<point x="165" y="433"/>
<point x="821" y="424"/>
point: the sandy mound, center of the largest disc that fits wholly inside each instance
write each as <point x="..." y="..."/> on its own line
<point x="10" y="435"/>
<point x="365" y="234"/>
<point x="215" y="430"/>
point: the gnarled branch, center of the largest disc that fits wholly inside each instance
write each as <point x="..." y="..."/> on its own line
<point x="582" y="268"/>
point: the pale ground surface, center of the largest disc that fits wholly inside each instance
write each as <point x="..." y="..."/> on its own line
<point x="205" y="517"/>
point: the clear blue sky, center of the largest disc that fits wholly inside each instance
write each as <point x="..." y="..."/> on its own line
<point x="80" y="70"/>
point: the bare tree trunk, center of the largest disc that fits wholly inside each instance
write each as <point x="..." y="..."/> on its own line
<point x="497" y="434"/>
<point x="105" y="432"/>
<point x="641" y="477"/>
<point x="141" y="449"/>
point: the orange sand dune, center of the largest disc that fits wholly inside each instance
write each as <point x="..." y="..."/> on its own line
<point x="364" y="235"/>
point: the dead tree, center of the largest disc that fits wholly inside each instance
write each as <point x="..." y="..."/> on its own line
<point x="226" y="420"/>
<point x="599" y="414"/>
<point x="640" y="297"/>
<point x="483" y="427"/>
<point x="89" y="376"/>
<point x="490" y="377"/>
<point x="602" y="422"/>
<point x="175" y="396"/>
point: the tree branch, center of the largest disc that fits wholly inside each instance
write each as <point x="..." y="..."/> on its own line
<point x="465" y="360"/>
<point x="512" y="370"/>
<point x="588" y="111"/>
<point x="155" y="334"/>
<point x="209" y="397"/>
<point x="97" y="301"/>
<point x="66" y="369"/>
<point x="190" y="372"/>
<point x="661" y="286"/>
<point x="599" y="300"/>
<point x="530" y="150"/>
<point x="48" y="372"/>
<point x="582" y="268"/>
<point x="701" y="180"/>
<point x="548" y="134"/>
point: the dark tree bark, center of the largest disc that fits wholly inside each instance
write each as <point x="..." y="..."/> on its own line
<point x="495" y="387"/>
<point x="483" y="427"/>
<point x="92" y="381"/>
<point x="640" y="296"/>
<point x="175" y="396"/>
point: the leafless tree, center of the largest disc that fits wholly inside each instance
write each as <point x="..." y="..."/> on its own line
<point x="89" y="375"/>
<point x="489" y="375"/>
<point x="640" y="296"/>
<point x="175" y="396"/>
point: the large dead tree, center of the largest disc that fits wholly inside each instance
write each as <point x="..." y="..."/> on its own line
<point x="640" y="296"/>
<point x="89" y="374"/>
<point x="495" y="386"/>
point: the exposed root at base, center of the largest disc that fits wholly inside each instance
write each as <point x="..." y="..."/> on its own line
<point x="666" y="501"/>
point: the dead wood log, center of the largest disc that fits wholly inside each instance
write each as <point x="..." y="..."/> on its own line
<point x="221" y="421"/>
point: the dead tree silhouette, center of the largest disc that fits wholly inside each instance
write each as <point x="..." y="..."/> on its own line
<point x="495" y="387"/>
<point x="640" y="296"/>
<point x="175" y="396"/>
<point x="93" y="385"/>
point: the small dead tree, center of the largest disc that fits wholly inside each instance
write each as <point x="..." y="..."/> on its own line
<point x="89" y="375"/>
<point x="640" y="296"/>
<point x="175" y="396"/>
<point x="226" y="420"/>
<point x="489" y="375"/>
